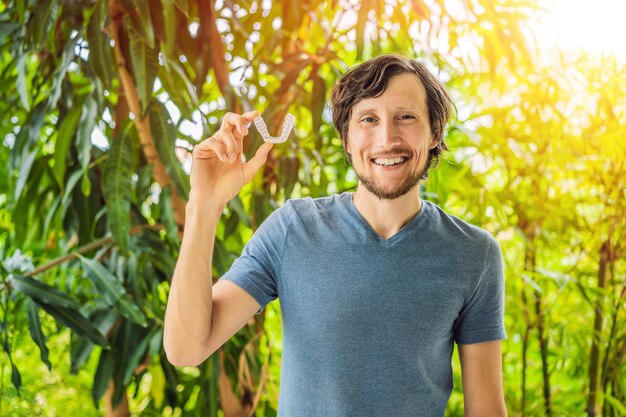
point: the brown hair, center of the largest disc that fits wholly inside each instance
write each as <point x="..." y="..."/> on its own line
<point x="370" y="79"/>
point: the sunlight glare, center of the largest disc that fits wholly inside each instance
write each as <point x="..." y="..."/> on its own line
<point x="596" y="27"/>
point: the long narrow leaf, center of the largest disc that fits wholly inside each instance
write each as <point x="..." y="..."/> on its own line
<point x="117" y="189"/>
<point x="103" y="375"/>
<point x="16" y="378"/>
<point x="75" y="321"/>
<point x="81" y="348"/>
<point x="60" y="72"/>
<point x="139" y="14"/>
<point x="44" y="293"/>
<point x="145" y="65"/>
<point x="99" y="47"/>
<point x="45" y="15"/>
<point x="87" y="122"/>
<point x="164" y="135"/>
<point x="65" y="133"/>
<point x="34" y="326"/>
<point x="167" y="215"/>
<point x="22" y="88"/>
<point x="113" y="291"/>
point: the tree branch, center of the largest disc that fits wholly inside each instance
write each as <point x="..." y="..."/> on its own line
<point x="88" y="248"/>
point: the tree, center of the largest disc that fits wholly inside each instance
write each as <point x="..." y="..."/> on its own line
<point x="98" y="99"/>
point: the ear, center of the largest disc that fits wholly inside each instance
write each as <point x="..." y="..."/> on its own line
<point x="348" y="147"/>
<point x="433" y="143"/>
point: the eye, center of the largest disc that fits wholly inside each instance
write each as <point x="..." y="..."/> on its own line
<point x="368" y="119"/>
<point x="407" y="117"/>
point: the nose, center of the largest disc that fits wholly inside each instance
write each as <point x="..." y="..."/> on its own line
<point x="389" y="134"/>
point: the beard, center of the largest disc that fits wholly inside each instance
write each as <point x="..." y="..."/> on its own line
<point x="399" y="190"/>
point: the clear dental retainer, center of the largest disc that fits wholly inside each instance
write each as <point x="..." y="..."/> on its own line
<point x="288" y="124"/>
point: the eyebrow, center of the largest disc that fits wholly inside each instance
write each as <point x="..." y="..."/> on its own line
<point x="373" y="110"/>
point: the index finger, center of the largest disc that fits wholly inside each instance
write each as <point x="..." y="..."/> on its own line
<point x="240" y="122"/>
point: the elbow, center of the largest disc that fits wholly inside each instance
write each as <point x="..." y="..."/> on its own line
<point x="179" y="355"/>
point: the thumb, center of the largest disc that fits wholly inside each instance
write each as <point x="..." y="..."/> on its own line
<point x="251" y="167"/>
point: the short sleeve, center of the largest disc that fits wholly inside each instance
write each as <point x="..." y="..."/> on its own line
<point x="258" y="268"/>
<point x="482" y="317"/>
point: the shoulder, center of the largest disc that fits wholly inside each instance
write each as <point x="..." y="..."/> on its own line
<point x="315" y="204"/>
<point x="458" y="230"/>
<point x="310" y="209"/>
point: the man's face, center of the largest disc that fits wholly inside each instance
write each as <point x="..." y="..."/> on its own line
<point x="392" y="128"/>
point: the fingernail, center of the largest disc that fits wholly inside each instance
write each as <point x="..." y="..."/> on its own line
<point x="224" y="156"/>
<point x="232" y="158"/>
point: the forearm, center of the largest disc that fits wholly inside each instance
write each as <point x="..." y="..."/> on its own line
<point x="188" y="314"/>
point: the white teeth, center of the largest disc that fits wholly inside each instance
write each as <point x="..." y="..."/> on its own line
<point x="387" y="162"/>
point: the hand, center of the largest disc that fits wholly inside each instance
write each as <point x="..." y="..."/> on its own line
<point x="217" y="171"/>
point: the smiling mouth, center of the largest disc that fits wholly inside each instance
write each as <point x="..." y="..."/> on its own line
<point x="389" y="162"/>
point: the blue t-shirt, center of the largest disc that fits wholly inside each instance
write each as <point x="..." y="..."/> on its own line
<point x="369" y="324"/>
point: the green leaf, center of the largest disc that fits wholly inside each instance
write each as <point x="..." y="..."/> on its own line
<point x="117" y="189"/>
<point x="144" y="184"/>
<point x="158" y="21"/>
<point x="75" y="321"/>
<point x="65" y="133"/>
<point x="132" y="350"/>
<point x="99" y="46"/>
<point x="289" y="173"/>
<point x="616" y="404"/>
<point x="180" y="80"/>
<point x="69" y="187"/>
<point x="58" y="76"/>
<point x="27" y="160"/>
<point x="145" y="66"/>
<point x="20" y="6"/>
<point x="85" y="185"/>
<point x="44" y="293"/>
<point x="318" y="99"/>
<point x="28" y="137"/>
<point x="139" y="14"/>
<point x="112" y="290"/>
<point x="87" y="122"/>
<point x="157" y="388"/>
<point x="164" y="136"/>
<point x="43" y="19"/>
<point x="167" y="215"/>
<point x="34" y="326"/>
<point x="16" y="378"/>
<point x="21" y="81"/>
<point x="103" y="375"/>
<point x="237" y="205"/>
<point x="80" y="347"/>
<point x="169" y="15"/>
<point x="7" y="28"/>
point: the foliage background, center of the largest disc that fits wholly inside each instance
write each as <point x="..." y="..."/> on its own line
<point x="102" y="102"/>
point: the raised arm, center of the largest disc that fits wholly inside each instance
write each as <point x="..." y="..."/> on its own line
<point x="194" y="325"/>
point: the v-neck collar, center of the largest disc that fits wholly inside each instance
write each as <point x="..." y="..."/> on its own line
<point x="375" y="237"/>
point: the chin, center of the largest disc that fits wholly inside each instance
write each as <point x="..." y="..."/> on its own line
<point x="391" y="192"/>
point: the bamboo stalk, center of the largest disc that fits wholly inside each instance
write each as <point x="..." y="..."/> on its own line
<point x="531" y="266"/>
<point x="525" y="349"/>
<point x="543" y="346"/>
<point x="593" y="405"/>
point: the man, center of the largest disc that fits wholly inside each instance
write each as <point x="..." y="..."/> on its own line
<point x="375" y="286"/>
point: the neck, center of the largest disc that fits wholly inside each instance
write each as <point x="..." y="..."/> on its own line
<point x="387" y="217"/>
